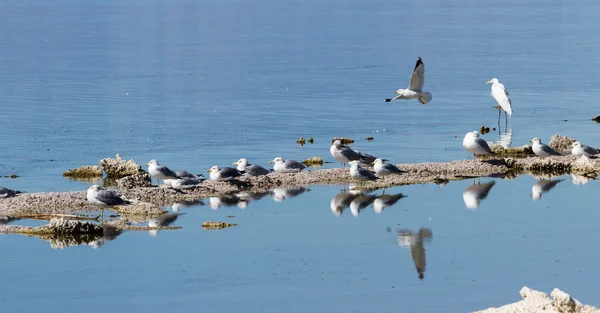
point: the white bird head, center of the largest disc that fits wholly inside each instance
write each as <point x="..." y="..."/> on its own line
<point x="535" y="140"/>
<point x="377" y="161"/>
<point x="577" y="144"/>
<point x="337" y="143"/>
<point x="492" y="81"/>
<point x="152" y="162"/>
<point x="242" y="162"/>
<point x="95" y="188"/>
<point x="277" y="160"/>
<point x="474" y="134"/>
<point x="354" y="163"/>
<point x="399" y="91"/>
<point x="214" y="169"/>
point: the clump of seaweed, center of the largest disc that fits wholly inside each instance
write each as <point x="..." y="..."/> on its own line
<point x="301" y="141"/>
<point x="86" y="171"/>
<point x="369" y="138"/>
<point x="522" y="151"/>
<point x="484" y="130"/>
<point x="596" y="119"/>
<point x="311" y="140"/>
<point x="211" y="225"/>
<point x="344" y="140"/>
<point x="314" y="161"/>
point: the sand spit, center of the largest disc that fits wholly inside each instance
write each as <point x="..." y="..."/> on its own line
<point x="536" y="301"/>
<point x="70" y="202"/>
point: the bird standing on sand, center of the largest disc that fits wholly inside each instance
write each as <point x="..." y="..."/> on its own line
<point x="360" y="173"/>
<point x="385" y="168"/>
<point x="415" y="88"/>
<point x="580" y="149"/>
<point x="542" y="150"/>
<point x="286" y="166"/>
<point x="223" y="174"/>
<point x="476" y="145"/>
<point x="160" y="172"/>
<point x="343" y="153"/>
<point x="250" y="169"/>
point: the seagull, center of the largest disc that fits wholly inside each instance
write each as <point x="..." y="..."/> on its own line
<point x="250" y="169"/>
<point x="160" y="172"/>
<point x="580" y="149"/>
<point x="7" y="193"/>
<point x="541" y="149"/>
<point x="415" y="88"/>
<point x="385" y="201"/>
<point x="286" y="166"/>
<point x="476" y="145"/>
<point x="223" y="174"/>
<point x="386" y="168"/>
<point x="104" y="198"/>
<point x="542" y="186"/>
<point x="184" y="174"/>
<point x="343" y="153"/>
<point x="475" y="193"/>
<point x="186" y="182"/>
<point x="360" y="173"/>
<point x="502" y="96"/>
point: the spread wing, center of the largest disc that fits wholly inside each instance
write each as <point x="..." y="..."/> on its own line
<point x="417" y="79"/>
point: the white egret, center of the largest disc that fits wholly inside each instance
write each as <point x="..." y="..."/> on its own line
<point x="502" y="96"/>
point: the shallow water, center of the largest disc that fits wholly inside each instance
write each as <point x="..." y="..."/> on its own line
<point x="296" y="252"/>
<point x="198" y="83"/>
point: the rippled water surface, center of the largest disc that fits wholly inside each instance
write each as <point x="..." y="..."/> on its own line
<point x="198" y="83"/>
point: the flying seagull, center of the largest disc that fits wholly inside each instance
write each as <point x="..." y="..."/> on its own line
<point x="415" y="88"/>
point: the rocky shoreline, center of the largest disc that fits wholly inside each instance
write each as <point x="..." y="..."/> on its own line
<point x="147" y="200"/>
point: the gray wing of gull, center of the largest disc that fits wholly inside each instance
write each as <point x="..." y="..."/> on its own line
<point x="348" y="153"/>
<point x="109" y="198"/>
<point x="389" y="200"/>
<point x="417" y="79"/>
<point x="229" y="172"/>
<point x="5" y="192"/>
<point x="589" y="150"/>
<point x="366" y="173"/>
<point x="166" y="171"/>
<point x="392" y="168"/>
<point x="481" y="191"/>
<point x="256" y="170"/>
<point x="482" y="143"/>
<point x="547" y="149"/>
<point x="293" y="164"/>
<point x="546" y="185"/>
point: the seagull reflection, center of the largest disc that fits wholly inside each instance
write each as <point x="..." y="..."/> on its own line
<point x="176" y="206"/>
<point x="109" y="233"/>
<point x="416" y="242"/>
<point x="385" y="201"/>
<point x="360" y="202"/>
<point x="342" y="200"/>
<point x="161" y="221"/>
<point x="247" y="196"/>
<point x="280" y="194"/>
<point x="542" y="186"/>
<point x="227" y="200"/>
<point x="580" y="179"/>
<point x="475" y="193"/>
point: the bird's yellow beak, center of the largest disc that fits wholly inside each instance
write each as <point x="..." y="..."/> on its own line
<point x="271" y="162"/>
<point x="373" y="163"/>
<point x="531" y="140"/>
<point x="488" y="82"/>
<point x="147" y="164"/>
<point x="396" y="92"/>
<point x="208" y="170"/>
<point x="234" y="163"/>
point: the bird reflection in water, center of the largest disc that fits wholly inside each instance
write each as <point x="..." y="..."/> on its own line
<point x="248" y="196"/>
<point x="177" y="206"/>
<point x="542" y="186"/>
<point x="580" y="179"/>
<point x="476" y="192"/>
<point x="280" y="194"/>
<point x="416" y="241"/>
<point x="505" y="138"/>
<point x="228" y="200"/>
<point x="109" y="233"/>
<point x="162" y="220"/>
<point x="357" y="200"/>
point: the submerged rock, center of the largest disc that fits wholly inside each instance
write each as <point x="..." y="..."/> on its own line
<point x="86" y="171"/>
<point x="139" y="208"/>
<point x="537" y="301"/>
<point x="139" y="179"/>
<point x="210" y="225"/>
<point x="561" y="143"/>
<point x="118" y="168"/>
<point x="521" y="151"/>
<point x="314" y="161"/>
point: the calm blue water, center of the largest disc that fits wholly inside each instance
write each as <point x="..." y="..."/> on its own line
<point x="198" y="83"/>
<point x="297" y="254"/>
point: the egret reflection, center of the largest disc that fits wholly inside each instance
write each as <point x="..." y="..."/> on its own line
<point x="416" y="242"/>
<point x="475" y="193"/>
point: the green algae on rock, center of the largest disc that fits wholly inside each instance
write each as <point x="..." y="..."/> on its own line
<point x="211" y="225"/>
<point x="86" y="171"/>
<point x="314" y="161"/>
